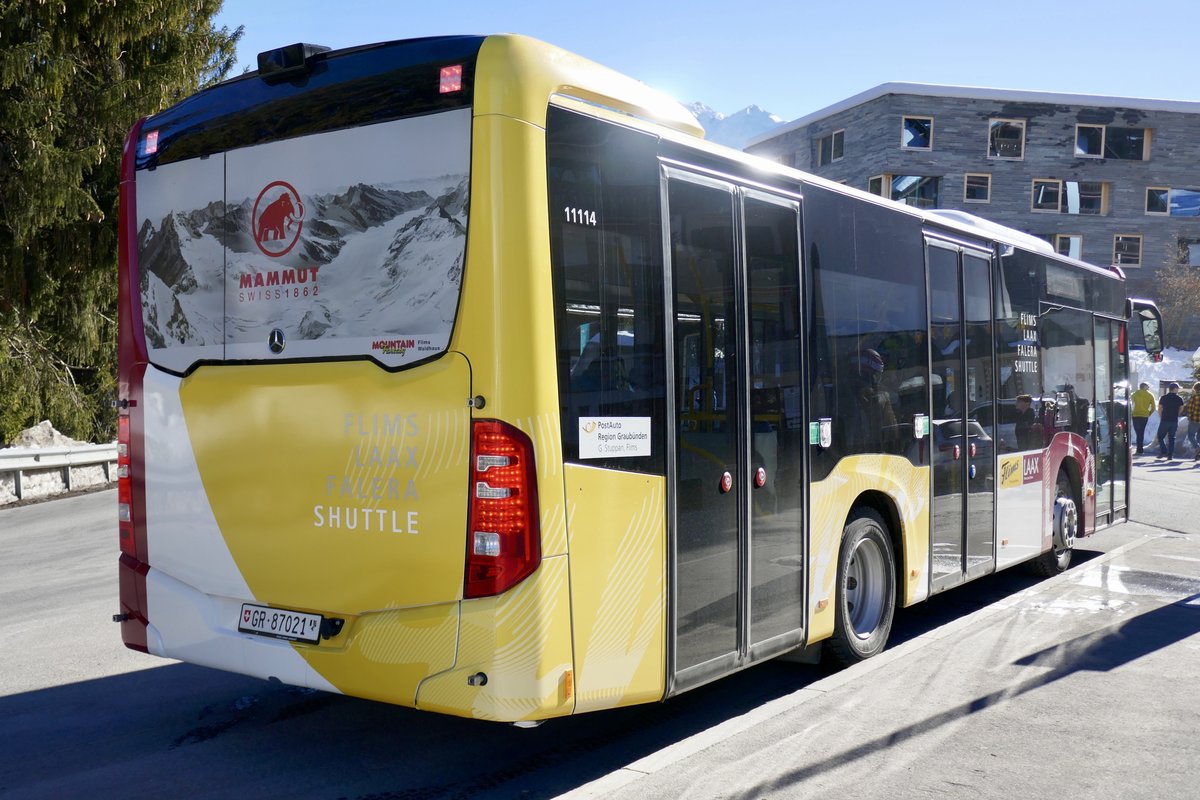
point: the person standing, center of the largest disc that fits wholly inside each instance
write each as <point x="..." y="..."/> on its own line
<point x="1169" y="407"/>
<point x="1143" y="406"/>
<point x="1192" y="412"/>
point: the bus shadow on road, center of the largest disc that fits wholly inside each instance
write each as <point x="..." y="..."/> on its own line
<point x="185" y="729"/>
<point x="948" y="606"/>
<point x="1104" y="650"/>
<point x="182" y="725"/>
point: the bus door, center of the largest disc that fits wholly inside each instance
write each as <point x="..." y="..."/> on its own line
<point x="735" y="469"/>
<point x="1110" y="431"/>
<point x="963" y="454"/>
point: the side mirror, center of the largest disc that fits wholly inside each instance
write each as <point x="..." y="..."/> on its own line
<point x="1149" y="324"/>
<point x="1152" y="337"/>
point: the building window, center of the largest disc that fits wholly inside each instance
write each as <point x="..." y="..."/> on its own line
<point x="1130" y="144"/>
<point x="1100" y="141"/>
<point x="1157" y="200"/>
<point x="1006" y="138"/>
<point x="1089" y="198"/>
<point x="1185" y="203"/>
<point x="977" y="188"/>
<point x="916" y="133"/>
<point x="831" y="148"/>
<point x="1069" y="244"/>
<point x="1085" y="197"/>
<point x="1127" y="250"/>
<point x="1047" y="195"/>
<point x="1189" y="252"/>
<point x="1089" y="141"/>
<point x="915" y="190"/>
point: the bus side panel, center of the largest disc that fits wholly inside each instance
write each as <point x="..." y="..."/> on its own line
<point x="1069" y="447"/>
<point x="514" y="654"/>
<point x="618" y="590"/>
<point x="1020" y="520"/>
<point x="831" y="501"/>
<point x="506" y="319"/>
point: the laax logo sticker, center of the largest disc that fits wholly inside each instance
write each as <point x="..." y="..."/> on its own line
<point x="278" y="218"/>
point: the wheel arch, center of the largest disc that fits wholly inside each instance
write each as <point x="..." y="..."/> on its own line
<point x="885" y="506"/>
<point x="1074" y="472"/>
<point x="1070" y="453"/>
<point x="1071" y="467"/>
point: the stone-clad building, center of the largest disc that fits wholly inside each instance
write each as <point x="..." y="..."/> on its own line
<point x="1110" y="180"/>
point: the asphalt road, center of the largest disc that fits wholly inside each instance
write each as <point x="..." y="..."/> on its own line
<point x="1079" y="686"/>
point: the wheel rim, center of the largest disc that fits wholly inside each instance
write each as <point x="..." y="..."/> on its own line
<point x="865" y="586"/>
<point x="1066" y="524"/>
<point x="1066" y="519"/>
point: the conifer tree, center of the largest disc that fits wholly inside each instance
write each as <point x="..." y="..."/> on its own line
<point x="74" y="77"/>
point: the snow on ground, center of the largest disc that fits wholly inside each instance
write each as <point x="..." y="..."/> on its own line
<point x="43" y="435"/>
<point x="45" y="482"/>
<point x="1178" y="366"/>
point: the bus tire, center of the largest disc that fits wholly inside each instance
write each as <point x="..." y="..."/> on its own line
<point x="1064" y="520"/>
<point x="866" y="590"/>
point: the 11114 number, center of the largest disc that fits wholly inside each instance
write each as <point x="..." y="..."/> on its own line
<point x="580" y="216"/>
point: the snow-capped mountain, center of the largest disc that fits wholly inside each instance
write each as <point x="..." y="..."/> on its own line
<point x="734" y="130"/>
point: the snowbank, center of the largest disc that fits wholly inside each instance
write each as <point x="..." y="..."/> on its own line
<point x="1178" y="366"/>
<point x="43" y="435"/>
<point x="46" y="482"/>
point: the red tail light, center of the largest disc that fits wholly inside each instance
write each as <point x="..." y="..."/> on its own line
<point x="503" y="536"/>
<point x="131" y="366"/>
<point x="450" y="80"/>
<point x="125" y="487"/>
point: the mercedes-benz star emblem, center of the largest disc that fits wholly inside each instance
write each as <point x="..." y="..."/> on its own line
<point x="276" y="341"/>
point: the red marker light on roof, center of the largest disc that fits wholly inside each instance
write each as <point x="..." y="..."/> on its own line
<point x="151" y="143"/>
<point x="451" y="79"/>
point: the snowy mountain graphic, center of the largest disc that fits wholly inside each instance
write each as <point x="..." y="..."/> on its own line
<point x="371" y="260"/>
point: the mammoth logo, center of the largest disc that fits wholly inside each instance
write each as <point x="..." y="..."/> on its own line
<point x="278" y="217"/>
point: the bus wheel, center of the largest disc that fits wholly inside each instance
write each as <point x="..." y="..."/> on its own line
<point x="1065" y="519"/>
<point x="866" y="590"/>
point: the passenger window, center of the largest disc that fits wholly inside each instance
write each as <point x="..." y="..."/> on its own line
<point x="606" y="258"/>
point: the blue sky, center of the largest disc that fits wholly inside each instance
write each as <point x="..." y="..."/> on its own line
<point x="794" y="57"/>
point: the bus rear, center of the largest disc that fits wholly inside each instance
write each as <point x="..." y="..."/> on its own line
<point x="305" y="493"/>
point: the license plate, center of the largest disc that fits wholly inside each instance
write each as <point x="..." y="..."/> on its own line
<point x="279" y="623"/>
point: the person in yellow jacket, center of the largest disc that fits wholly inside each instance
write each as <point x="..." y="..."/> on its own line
<point x="1144" y="403"/>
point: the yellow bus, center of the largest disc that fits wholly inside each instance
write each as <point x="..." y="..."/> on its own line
<point x="461" y="373"/>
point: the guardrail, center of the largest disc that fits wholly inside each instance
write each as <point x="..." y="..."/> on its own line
<point x="21" y="461"/>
